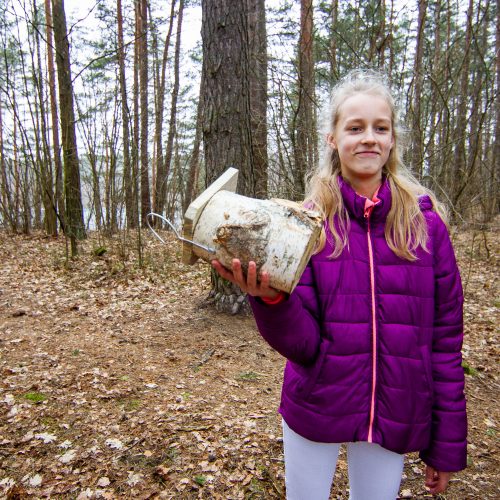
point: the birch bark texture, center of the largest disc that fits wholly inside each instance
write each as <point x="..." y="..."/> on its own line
<point x="278" y="235"/>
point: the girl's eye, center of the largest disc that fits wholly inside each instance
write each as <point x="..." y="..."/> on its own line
<point x="354" y="129"/>
<point x="382" y="129"/>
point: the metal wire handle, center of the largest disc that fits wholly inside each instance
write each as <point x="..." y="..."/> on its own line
<point x="178" y="236"/>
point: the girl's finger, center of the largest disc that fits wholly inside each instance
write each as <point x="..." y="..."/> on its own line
<point x="247" y="284"/>
<point x="264" y="281"/>
<point x="442" y="481"/>
<point x="430" y="477"/>
<point x="252" y="277"/>
<point x="238" y="275"/>
<point x="266" y="290"/>
<point x="224" y="273"/>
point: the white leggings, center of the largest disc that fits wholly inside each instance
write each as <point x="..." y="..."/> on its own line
<point x="374" y="472"/>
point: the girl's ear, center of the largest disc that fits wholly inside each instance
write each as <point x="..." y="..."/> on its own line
<point x="330" y="140"/>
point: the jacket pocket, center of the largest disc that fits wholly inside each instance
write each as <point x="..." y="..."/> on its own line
<point x="309" y="374"/>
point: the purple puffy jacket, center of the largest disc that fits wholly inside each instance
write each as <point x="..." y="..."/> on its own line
<point x="373" y="342"/>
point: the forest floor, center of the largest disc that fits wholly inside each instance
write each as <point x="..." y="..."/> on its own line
<point x="119" y="382"/>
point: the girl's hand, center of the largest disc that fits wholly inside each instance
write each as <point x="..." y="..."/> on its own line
<point x="249" y="284"/>
<point x="436" y="481"/>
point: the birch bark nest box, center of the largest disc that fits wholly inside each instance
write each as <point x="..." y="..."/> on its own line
<point x="278" y="235"/>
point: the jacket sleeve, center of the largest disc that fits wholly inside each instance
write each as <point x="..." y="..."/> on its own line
<point x="292" y="326"/>
<point x="447" y="450"/>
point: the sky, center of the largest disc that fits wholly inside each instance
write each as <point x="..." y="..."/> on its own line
<point x="84" y="10"/>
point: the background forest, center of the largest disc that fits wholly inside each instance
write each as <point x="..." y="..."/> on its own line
<point x="111" y="109"/>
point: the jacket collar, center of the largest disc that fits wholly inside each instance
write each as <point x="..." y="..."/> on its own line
<point x="355" y="203"/>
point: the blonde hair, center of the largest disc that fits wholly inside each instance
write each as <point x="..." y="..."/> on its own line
<point x="405" y="228"/>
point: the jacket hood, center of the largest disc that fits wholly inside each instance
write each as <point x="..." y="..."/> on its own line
<point x="425" y="202"/>
<point x="355" y="203"/>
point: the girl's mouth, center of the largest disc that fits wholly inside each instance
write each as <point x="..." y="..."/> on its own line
<point x="367" y="153"/>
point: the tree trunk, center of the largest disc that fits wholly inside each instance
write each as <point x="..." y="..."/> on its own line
<point x="143" y="82"/>
<point x="36" y="109"/>
<point x="111" y="194"/>
<point x="226" y="120"/>
<point x="382" y="36"/>
<point x="172" y="129"/>
<point x="434" y="165"/>
<point x="194" y="160"/>
<point x="417" y="133"/>
<point x="445" y="174"/>
<point x="46" y="175"/>
<point x="334" y="71"/>
<point x="496" y="147"/>
<point x="130" y="201"/>
<point x="459" y="135"/>
<point x="75" y="228"/>
<point x="96" y="189"/>
<point x="475" y="183"/>
<point x="136" y="129"/>
<point x="5" y="188"/>
<point x="258" y="94"/>
<point x="390" y="70"/>
<point x="161" y="175"/>
<point x="175" y="186"/>
<point x="16" y="173"/>
<point x="305" y="143"/>
<point x="59" y="191"/>
<point x="227" y="124"/>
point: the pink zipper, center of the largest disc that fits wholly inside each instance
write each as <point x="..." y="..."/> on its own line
<point x="374" y="329"/>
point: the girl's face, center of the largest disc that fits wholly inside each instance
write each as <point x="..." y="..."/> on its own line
<point x="363" y="137"/>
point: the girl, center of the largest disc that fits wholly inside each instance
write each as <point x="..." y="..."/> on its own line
<point x="373" y="331"/>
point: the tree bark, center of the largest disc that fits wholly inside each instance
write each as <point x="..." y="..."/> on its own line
<point x="130" y="201"/>
<point x="172" y="126"/>
<point x="161" y="175"/>
<point x="434" y="165"/>
<point x="258" y="94"/>
<point x="334" y="72"/>
<point x="459" y="135"/>
<point x="75" y="228"/>
<point x="305" y="142"/>
<point x="391" y="42"/>
<point x="16" y="217"/>
<point x="5" y="188"/>
<point x="226" y="117"/>
<point x="194" y="160"/>
<point x="143" y="82"/>
<point x="417" y="133"/>
<point x="227" y="103"/>
<point x="136" y="121"/>
<point x="46" y="175"/>
<point x="56" y="153"/>
<point x="445" y="174"/>
<point x="496" y="147"/>
<point x="278" y="235"/>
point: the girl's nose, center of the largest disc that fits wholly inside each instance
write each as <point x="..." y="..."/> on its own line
<point x="369" y="136"/>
